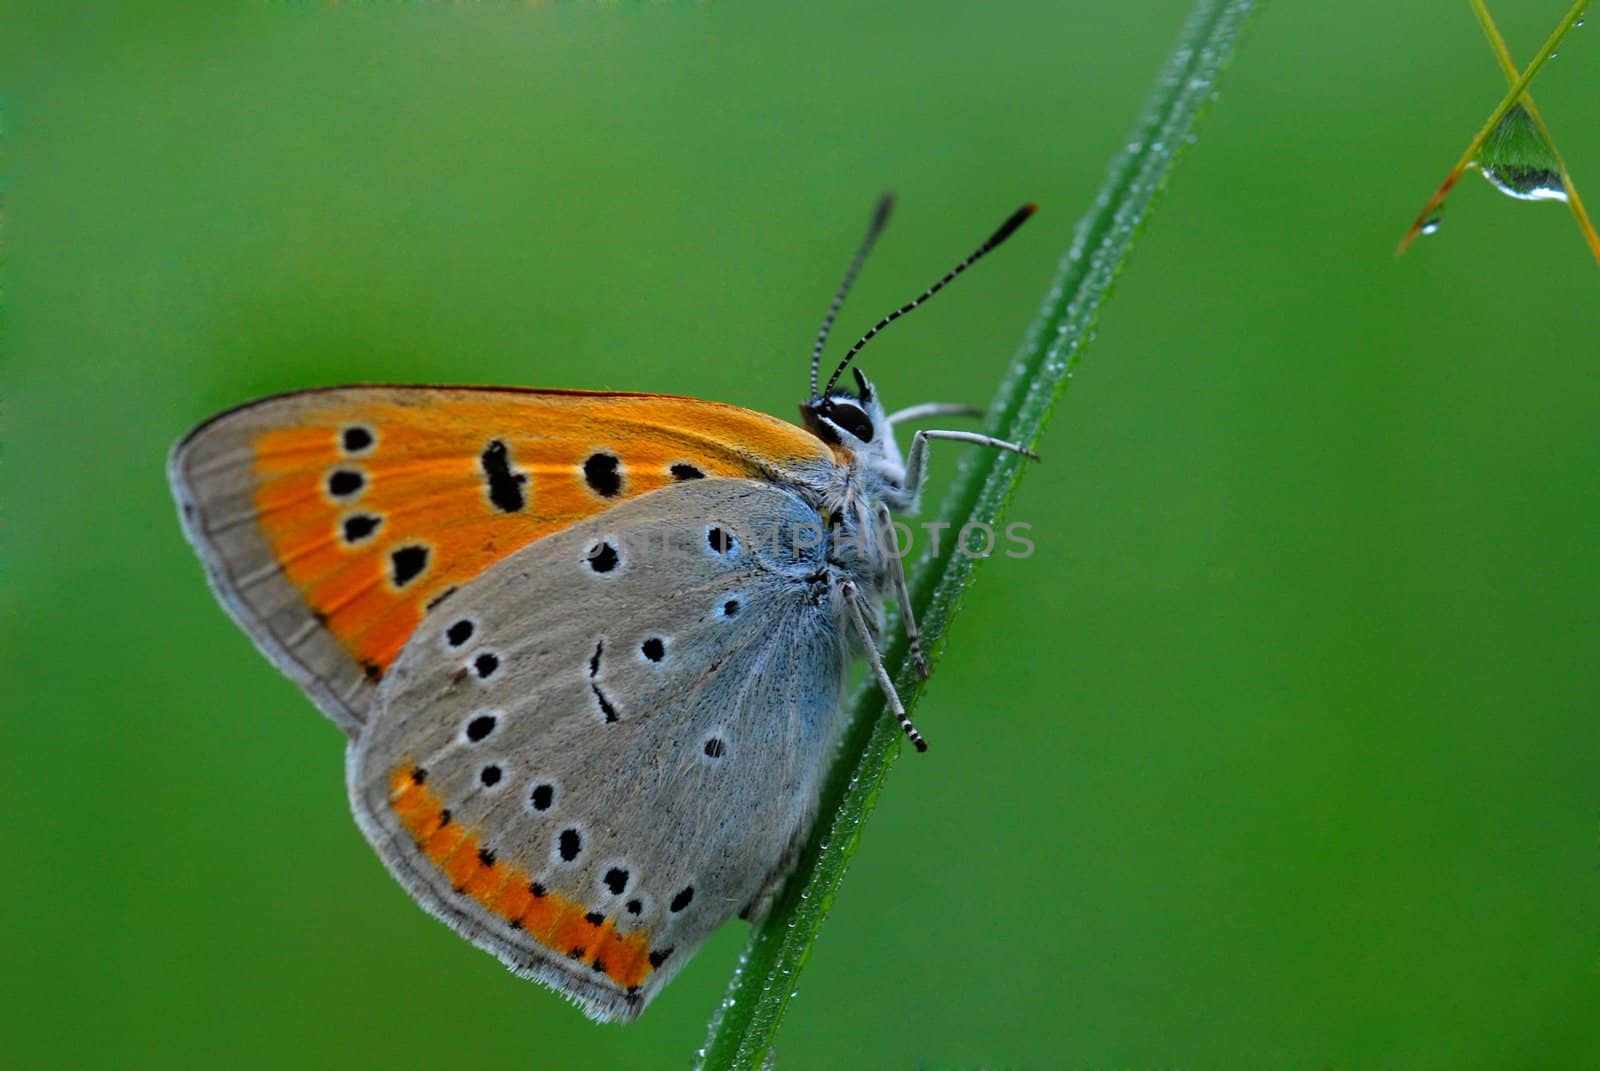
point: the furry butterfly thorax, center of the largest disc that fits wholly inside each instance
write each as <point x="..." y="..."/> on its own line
<point x="588" y="648"/>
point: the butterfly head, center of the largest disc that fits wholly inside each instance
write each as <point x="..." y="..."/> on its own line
<point x="856" y="421"/>
<point x="846" y="418"/>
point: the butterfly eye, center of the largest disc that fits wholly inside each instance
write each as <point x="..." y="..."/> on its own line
<point x="852" y="418"/>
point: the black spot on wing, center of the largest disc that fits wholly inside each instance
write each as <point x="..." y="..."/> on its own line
<point x="408" y="562"/>
<point x="603" y="473"/>
<point x="616" y="880"/>
<point x="603" y="558"/>
<point x="606" y="707"/>
<point x="681" y="471"/>
<point x="343" y="483"/>
<point x="356" y="438"/>
<point x="359" y="527"/>
<point x="504" y="483"/>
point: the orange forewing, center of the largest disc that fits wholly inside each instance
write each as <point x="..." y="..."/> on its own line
<point x="425" y="478"/>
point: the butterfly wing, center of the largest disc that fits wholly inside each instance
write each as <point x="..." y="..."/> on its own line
<point x="329" y="520"/>
<point x="593" y="754"/>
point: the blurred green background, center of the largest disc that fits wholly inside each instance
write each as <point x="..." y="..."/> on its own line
<point x="1282" y="750"/>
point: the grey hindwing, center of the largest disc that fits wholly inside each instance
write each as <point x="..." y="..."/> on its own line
<point x="633" y="711"/>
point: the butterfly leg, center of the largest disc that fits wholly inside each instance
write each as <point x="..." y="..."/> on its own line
<point x="902" y="594"/>
<point x="917" y="459"/>
<point x="928" y="409"/>
<point x="852" y="602"/>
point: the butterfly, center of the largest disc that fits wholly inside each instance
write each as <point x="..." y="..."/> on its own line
<point x="589" y="648"/>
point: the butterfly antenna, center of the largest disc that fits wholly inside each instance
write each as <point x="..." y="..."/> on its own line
<point x="1009" y="227"/>
<point x="880" y="219"/>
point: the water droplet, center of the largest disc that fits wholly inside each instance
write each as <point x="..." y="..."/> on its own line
<point x="1519" y="162"/>
<point x="1430" y="225"/>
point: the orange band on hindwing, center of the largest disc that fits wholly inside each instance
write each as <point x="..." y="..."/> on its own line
<point x="564" y="926"/>
<point x="384" y="500"/>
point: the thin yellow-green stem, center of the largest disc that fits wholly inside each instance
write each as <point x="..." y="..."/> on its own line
<point x="1518" y="88"/>
<point x="1503" y="55"/>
